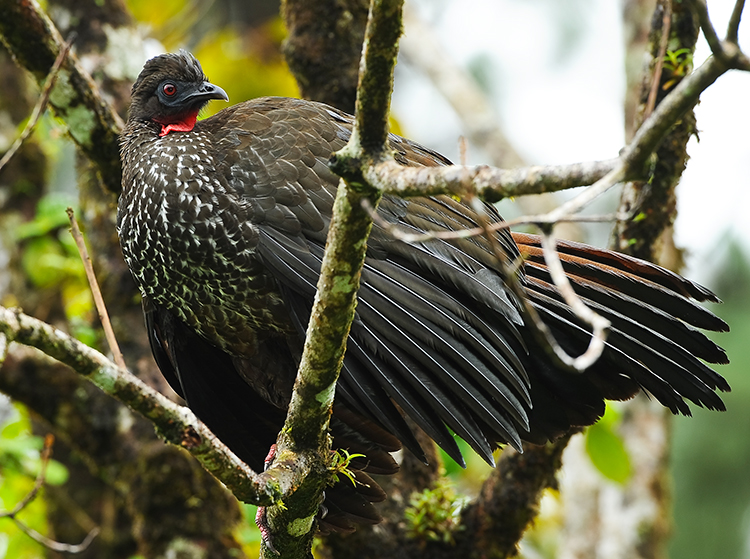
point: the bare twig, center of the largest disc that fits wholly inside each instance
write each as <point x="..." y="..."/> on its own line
<point x="101" y="308"/>
<point x="727" y="51"/>
<point x="31" y="495"/>
<point x="733" y="26"/>
<point x="576" y="204"/>
<point x="400" y="234"/>
<point x="3" y="348"/>
<point x="599" y="324"/>
<point x="510" y="277"/>
<point x="41" y="103"/>
<point x="709" y="31"/>
<point x="177" y="424"/>
<point x="538" y="327"/>
<point x="55" y="545"/>
<point x="462" y="150"/>
<point x="656" y="76"/>
<point x="40" y="478"/>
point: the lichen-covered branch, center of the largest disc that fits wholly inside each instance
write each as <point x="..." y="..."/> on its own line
<point x="175" y="423"/>
<point x="39" y="108"/>
<point x="35" y="43"/>
<point x="489" y="183"/>
<point x="493" y="184"/>
<point x="509" y="500"/>
<point x="305" y="431"/>
<point x="656" y="199"/>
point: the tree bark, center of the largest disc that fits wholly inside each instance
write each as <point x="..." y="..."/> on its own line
<point x="324" y="47"/>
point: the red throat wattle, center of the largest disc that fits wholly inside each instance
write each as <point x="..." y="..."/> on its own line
<point x="178" y="123"/>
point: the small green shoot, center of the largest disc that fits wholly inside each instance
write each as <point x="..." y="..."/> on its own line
<point x="340" y="465"/>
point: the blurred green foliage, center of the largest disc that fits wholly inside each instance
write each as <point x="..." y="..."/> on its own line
<point x="20" y="463"/>
<point x="711" y="451"/>
<point x="606" y="449"/>
<point x="434" y="514"/>
<point x="246" y="533"/>
<point x="50" y="260"/>
<point x="245" y="61"/>
<point x="246" y="68"/>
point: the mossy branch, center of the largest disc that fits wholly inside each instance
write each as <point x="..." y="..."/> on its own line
<point x="306" y="428"/>
<point x="177" y="424"/>
<point x="35" y="43"/>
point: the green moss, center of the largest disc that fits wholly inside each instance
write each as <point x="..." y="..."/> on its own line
<point x="300" y="526"/>
<point x="63" y="93"/>
<point x="342" y="284"/>
<point x="325" y="397"/>
<point x="434" y="514"/>
<point x="81" y="123"/>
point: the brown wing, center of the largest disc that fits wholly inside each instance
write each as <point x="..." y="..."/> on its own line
<point x="436" y="331"/>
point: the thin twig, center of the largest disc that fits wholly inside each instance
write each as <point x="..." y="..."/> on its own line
<point x="462" y="150"/>
<point x="709" y="31"/>
<point x="599" y="324"/>
<point x="95" y="291"/>
<point x="3" y="348"/>
<point x="55" y="545"/>
<point x="733" y="28"/>
<point x="576" y="204"/>
<point x="510" y="276"/>
<point x="41" y="103"/>
<point x="40" y="478"/>
<point x="656" y="79"/>
<point x="400" y="234"/>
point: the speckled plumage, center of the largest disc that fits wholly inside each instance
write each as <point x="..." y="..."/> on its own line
<point x="223" y="225"/>
<point x="191" y="243"/>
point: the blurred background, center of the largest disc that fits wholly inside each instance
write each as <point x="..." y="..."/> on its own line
<point x="551" y="76"/>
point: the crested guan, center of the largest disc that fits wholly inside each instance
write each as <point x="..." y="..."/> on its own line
<point x="223" y="224"/>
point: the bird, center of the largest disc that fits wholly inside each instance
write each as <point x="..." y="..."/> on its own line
<point x="223" y="222"/>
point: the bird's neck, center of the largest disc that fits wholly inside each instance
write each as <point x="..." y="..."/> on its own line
<point x="181" y="122"/>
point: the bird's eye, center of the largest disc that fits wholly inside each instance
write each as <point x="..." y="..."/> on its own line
<point x="169" y="89"/>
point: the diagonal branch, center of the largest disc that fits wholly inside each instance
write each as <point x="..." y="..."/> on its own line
<point x="733" y="27"/>
<point x="493" y="184"/>
<point x="95" y="291"/>
<point x="35" y="43"/>
<point x="41" y="104"/>
<point x="175" y="423"/>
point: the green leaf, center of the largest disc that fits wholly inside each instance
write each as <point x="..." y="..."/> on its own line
<point x="607" y="450"/>
<point x="56" y="474"/>
<point x="50" y="215"/>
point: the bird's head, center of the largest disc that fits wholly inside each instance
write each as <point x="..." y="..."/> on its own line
<point x="171" y="90"/>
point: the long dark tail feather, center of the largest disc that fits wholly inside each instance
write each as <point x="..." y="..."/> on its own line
<point x="616" y="260"/>
<point x="642" y="280"/>
<point x="651" y="341"/>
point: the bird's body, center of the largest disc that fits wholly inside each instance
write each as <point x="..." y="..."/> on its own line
<point x="223" y="225"/>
